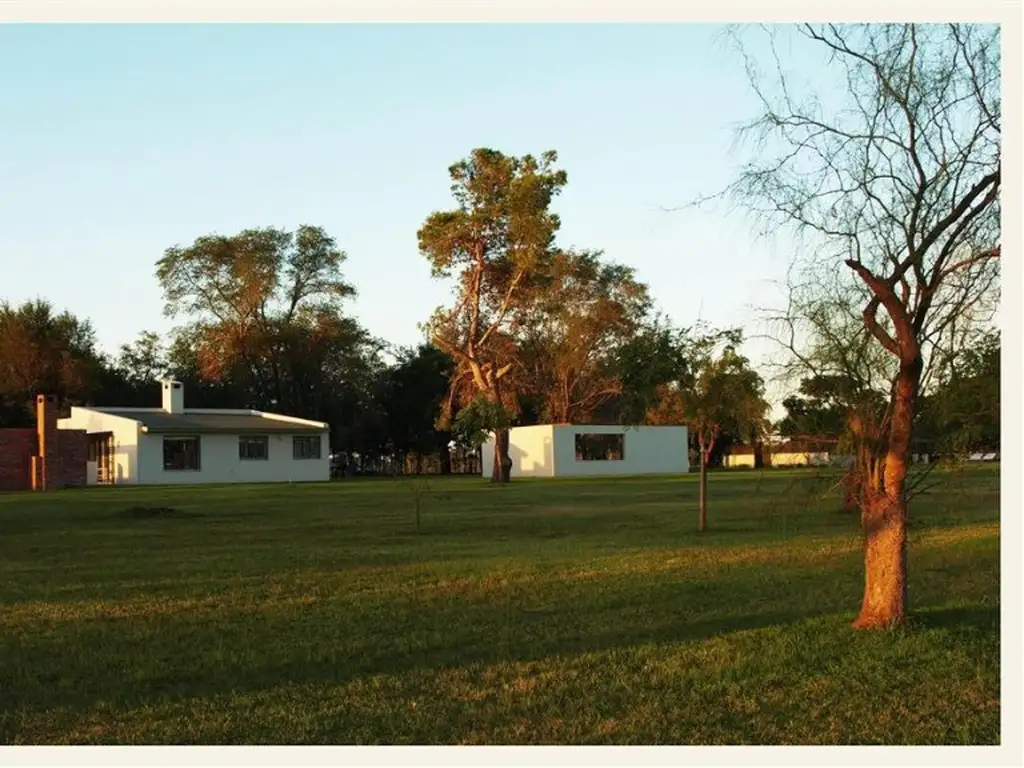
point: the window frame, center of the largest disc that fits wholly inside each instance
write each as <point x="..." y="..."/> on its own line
<point x="301" y="455"/>
<point x="198" y="453"/>
<point x="582" y="454"/>
<point x="247" y="441"/>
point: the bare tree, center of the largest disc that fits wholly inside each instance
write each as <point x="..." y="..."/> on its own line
<point x="891" y="175"/>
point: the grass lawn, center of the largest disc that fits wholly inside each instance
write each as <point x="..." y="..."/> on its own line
<point x="552" y="612"/>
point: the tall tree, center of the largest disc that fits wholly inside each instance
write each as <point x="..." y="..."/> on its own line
<point x="585" y="312"/>
<point x="496" y="242"/>
<point x="246" y="294"/>
<point x="894" y="174"/>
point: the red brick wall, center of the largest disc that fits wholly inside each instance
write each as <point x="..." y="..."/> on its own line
<point x="62" y="465"/>
<point x="16" y="449"/>
<point x="74" y="453"/>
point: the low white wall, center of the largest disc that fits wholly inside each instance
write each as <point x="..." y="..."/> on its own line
<point x="647" y="451"/>
<point x="219" y="463"/>
<point x="531" y="449"/>
<point x="126" y="441"/>
<point x="739" y="460"/>
<point x="800" y="459"/>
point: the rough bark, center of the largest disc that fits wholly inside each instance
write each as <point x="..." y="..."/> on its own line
<point x="501" y="471"/>
<point x="884" y="515"/>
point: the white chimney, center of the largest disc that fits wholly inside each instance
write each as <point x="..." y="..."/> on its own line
<point x="174" y="397"/>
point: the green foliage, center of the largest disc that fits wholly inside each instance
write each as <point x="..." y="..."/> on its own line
<point x="252" y="275"/>
<point x="583" y="312"/>
<point x="721" y="393"/>
<point x="478" y="419"/>
<point x="411" y="396"/>
<point x="962" y="414"/>
<point x="43" y="351"/>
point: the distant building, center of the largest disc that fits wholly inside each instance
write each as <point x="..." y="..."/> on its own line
<point x="811" y="452"/>
<point x="565" y="450"/>
<point x="178" y="445"/>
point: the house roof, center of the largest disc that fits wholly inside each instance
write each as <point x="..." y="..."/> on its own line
<point x="212" y="421"/>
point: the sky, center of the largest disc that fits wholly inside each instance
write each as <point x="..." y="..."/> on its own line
<point x="118" y="142"/>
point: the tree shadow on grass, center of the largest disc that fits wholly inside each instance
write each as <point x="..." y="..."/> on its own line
<point x="969" y="619"/>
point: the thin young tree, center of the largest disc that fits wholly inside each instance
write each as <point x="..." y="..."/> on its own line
<point x="889" y="166"/>
<point x="496" y="242"/>
<point x="722" y="395"/>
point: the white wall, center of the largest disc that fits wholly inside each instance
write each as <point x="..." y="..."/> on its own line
<point x="550" y="451"/>
<point x="799" y="459"/>
<point x="219" y="462"/>
<point x="647" y="451"/>
<point x="126" y="441"/>
<point x="739" y="460"/>
<point x="530" y="448"/>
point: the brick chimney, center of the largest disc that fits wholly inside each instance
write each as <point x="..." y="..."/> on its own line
<point x="46" y="470"/>
<point x="174" y="396"/>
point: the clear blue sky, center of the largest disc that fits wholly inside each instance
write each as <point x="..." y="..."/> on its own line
<point x="117" y="142"/>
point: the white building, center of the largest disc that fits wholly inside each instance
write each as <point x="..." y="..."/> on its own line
<point x="178" y="445"/>
<point x="564" y="450"/>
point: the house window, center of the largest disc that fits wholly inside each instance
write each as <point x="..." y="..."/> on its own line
<point x="306" y="447"/>
<point x="181" y="453"/>
<point x="593" y="447"/>
<point x="253" y="447"/>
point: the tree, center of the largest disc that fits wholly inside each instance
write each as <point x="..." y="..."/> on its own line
<point x="721" y="395"/>
<point x="584" y="314"/>
<point x="248" y="295"/>
<point x="961" y="414"/>
<point x="42" y="351"/>
<point x="412" y="394"/>
<point x="891" y="171"/>
<point x="656" y="357"/>
<point x="497" y="242"/>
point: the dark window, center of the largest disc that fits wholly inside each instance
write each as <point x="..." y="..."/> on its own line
<point x="593" y="447"/>
<point x="306" y="447"/>
<point x="253" y="447"/>
<point x="181" y="453"/>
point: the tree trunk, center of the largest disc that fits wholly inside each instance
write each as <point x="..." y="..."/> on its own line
<point x="446" y="458"/>
<point x="884" y="516"/>
<point x="885" y="565"/>
<point x="501" y="472"/>
<point x="702" y="520"/>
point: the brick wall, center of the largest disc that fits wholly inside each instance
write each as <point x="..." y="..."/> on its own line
<point x="74" y="455"/>
<point x="16" y="449"/>
<point x="44" y="458"/>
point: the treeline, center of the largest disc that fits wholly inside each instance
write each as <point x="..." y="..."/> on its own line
<point x="535" y="333"/>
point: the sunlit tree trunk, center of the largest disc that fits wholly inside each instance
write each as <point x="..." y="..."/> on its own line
<point x="884" y="514"/>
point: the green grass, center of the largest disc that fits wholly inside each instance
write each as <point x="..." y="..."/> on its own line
<point x="552" y="612"/>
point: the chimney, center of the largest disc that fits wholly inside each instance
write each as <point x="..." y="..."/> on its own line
<point x="46" y="474"/>
<point x="174" y="397"/>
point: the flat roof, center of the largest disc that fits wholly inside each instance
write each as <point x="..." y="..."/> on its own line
<point x="159" y="421"/>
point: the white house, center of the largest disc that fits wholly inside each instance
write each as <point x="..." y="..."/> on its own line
<point x="178" y="445"/>
<point x="565" y="450"/>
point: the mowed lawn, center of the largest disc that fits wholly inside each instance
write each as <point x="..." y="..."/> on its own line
<point x="550" y="612"/>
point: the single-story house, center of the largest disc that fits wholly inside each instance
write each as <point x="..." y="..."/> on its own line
<point x="567" y="450"/>
<point x="791" y="453"/>
<point x="178" y="445"/>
